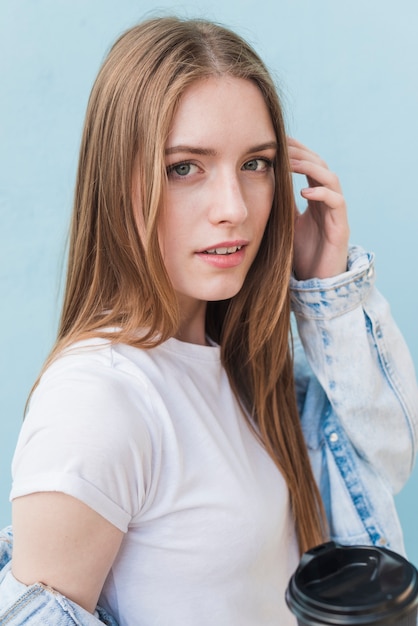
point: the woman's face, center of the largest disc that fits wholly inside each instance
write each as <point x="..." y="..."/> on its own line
<point x="219" y="159"/>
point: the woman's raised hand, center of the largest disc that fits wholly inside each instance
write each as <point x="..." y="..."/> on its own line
<point x="322" y="230"/>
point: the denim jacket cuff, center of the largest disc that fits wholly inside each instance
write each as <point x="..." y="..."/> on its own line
<point x="326" y="298"/>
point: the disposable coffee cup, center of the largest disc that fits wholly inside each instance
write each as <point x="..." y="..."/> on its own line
<point x="337" y="585"/>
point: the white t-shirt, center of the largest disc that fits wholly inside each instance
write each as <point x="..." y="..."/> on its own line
<point x="155" y="442"/>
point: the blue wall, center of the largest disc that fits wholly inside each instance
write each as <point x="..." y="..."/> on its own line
<point x="348" y="74"/>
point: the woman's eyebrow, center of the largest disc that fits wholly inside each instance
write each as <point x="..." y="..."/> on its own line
<point x="191" y="150"/>
<point x="269" y="145"/>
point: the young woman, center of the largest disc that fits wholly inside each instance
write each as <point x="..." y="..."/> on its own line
<point x="179" y="454"/>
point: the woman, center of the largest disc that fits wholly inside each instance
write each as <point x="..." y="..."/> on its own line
<point x="163" y="464"/>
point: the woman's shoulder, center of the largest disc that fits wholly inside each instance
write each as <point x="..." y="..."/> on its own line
<point x="97" y="362"/>
<point x="91" y="383"/>
<point x="91" y="432"/>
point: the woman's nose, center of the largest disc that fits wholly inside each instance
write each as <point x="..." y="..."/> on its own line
<point x="226" y="202"/>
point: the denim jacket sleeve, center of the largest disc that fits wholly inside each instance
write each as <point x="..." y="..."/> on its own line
<point x="358" y="400"/>
<point x="38" y="604"/>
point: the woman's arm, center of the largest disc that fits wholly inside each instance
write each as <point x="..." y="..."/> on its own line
<point x="362" y="363"/>
<point x="85" y="435"/>
<point x="351" y="342"/>
<point x="64" y="544"/>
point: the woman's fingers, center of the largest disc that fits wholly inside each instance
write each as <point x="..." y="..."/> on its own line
<point x="317" y="173"/>
<point x="321" y="231"/>
<point x="300" y="152"/>
<point x="332" y="199"/>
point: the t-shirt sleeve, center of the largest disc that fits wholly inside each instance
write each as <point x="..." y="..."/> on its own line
<point x="86" y="434"/>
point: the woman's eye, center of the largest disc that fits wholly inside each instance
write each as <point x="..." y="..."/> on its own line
<point x="257" y="165"/>
<point x="181" y="170"/>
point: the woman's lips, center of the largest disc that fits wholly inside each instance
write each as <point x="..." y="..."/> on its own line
<point x="224" y="255"/>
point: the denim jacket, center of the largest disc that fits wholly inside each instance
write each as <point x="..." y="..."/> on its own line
<point x="358" y="401"/>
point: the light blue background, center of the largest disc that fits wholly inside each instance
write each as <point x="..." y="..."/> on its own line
<point x="349" y="77"/>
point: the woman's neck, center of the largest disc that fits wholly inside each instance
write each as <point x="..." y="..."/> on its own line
<point x="192" y="327"/>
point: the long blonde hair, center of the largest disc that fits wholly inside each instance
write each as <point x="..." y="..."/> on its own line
<point x="117" y="279"/>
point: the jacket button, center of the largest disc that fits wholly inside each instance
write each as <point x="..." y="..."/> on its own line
<point x="333" y="437"/>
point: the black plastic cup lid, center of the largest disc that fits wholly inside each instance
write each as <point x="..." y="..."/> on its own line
<point x="341" y="585"/>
